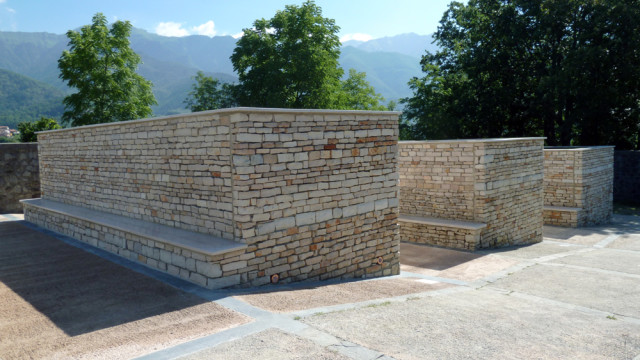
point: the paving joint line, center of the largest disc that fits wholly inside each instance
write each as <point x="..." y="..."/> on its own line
<point x="586" y="268"/>
<point x="606" y="241"/>
<point x="563" y="304"/>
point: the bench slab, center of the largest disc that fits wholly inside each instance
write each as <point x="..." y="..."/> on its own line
<point x="192" y="241"/>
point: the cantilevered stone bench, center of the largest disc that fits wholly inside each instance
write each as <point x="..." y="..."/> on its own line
<point x="183" y="253"/>
<point x="562" y="215"/>
<point x="441" y="232"/>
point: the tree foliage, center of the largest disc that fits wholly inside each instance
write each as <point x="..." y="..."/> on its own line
<point x="356" y="94"/>
<point x="28" y="129"/>
<point x="102" y="67"/>
<point x="568" y="70"/>
<point x="208" y="93"/>
<point x="290" y="60"/>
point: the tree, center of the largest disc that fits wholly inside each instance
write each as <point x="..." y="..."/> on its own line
<point x="568" y="70"/>
<point x="102" y="67"/>
<point x="28" y="129"/>
<point x="290" y="60"/>
<point x="209" y="94"/>
<point x="356" y="94"/>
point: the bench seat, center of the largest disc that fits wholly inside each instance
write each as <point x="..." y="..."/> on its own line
<point x="562" y="216"/>
<point x="465" y="235"/>
<point x="201" y="243"/>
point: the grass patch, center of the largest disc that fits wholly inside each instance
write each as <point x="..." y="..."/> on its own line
<point x="378" y="305"/>
<point x="611" y="317"/>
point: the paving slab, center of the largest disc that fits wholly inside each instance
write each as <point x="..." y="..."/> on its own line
<point x="272" y="344"/>
<point x="592" y="288"/>
<point x="335" y="294"/>
<point x="534" y="251"/>
<point x="448" y="263"/>
<point x="59" y="301"/>
<point x="579" y="236"/>
<point x="483" y="324"/>
<point x="626" y="242"/>
<point x="606" y="259"/>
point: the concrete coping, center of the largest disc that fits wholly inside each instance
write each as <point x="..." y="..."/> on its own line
<point x="469" y="225"/>
<point x="488" y="140"/>
<point x="234" y="111"/>
<point x="561" y="208"/>
<point x="192" y="241"/>
<point x="576" y="148"/>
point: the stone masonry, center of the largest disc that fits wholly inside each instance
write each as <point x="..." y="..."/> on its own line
<point x="19" y="176"/>
<point x="311" y="193"/>
<point x="490" y="186"/>
<point x="578" y="185"/>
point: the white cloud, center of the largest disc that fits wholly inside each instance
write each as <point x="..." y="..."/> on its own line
<point x="2" y="1"/>
<point x="171" y="28"/>
<point x="11" y="10"/>
<point x="206" y="29"/>
<point x="356" y="36"/>
<point x="238" y="35"/>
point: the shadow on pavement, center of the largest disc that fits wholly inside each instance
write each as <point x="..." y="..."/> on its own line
<point x="78" y="291"/>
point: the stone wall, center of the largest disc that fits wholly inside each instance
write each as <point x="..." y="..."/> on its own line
<point x="19" y="177"/>
<point x="578" y="185"/>
<point x="312" y="193"/>
<point x="496" y="182"/>
<point x="626" y="179"/>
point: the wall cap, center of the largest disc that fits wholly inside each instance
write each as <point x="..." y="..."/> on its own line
<point x="470" y="140"/>
<point x="233" y="111"/>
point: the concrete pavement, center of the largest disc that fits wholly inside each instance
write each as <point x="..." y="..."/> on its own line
<point x="575" y="295"/>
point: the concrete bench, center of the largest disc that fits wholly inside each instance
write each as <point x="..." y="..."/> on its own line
<point x="562" y="216"/>
<point x="441" y="232"/>
<point x="192" y="241"/>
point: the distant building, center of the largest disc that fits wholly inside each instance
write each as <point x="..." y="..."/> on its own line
<point x="5" y="131"/>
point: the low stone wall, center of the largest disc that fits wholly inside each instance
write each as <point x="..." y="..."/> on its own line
<point x="496" y="182"/>
<point x="313" y="194"/>
<point x="626" y="179"/>
<point x="578" y="185"/>
<point x="19" y="176"/>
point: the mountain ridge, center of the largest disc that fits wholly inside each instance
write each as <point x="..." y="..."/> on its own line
<point x="170" y="63"/>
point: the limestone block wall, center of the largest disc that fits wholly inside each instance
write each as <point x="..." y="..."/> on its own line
<point x="626" y="179"/>
<point x="313" y="193"/>
<point x="173" y="171"/>
<point x="580" y="178"/>
<point x="19" y="175"/>
<point x="497" y="182"/>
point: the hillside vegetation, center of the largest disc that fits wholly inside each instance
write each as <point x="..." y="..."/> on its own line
<point x="170" y="63"/>
<point x="25" y="99"/>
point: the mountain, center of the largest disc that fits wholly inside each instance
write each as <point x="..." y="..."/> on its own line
<point x="25" y="99"/>
<point x="170" y="63"/>
<point x="387" y="72"/>
<point x="408" y="44"/>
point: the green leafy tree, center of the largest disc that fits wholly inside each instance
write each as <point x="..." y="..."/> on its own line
<point x="290" y="60"/>
<point x="28" y="129"/>
<point x="209" y="94"/>
<point x="101" y="66"/>
<point x="568" y="70"/>
<point x="356" y="94"/>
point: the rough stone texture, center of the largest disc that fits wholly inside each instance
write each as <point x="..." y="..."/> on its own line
<point x="312" y="193"/>
<point x="626" y="179"/>
<point x="450" y="237"/>
<point x="19" y="176"/>
<point x="497" y="182"/>
<point x="580" y="179"/>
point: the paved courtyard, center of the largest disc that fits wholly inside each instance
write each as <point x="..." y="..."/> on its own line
<point x="576" y="295"/>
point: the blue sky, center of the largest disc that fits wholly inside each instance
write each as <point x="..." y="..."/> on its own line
<point x="358" y="19"/>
